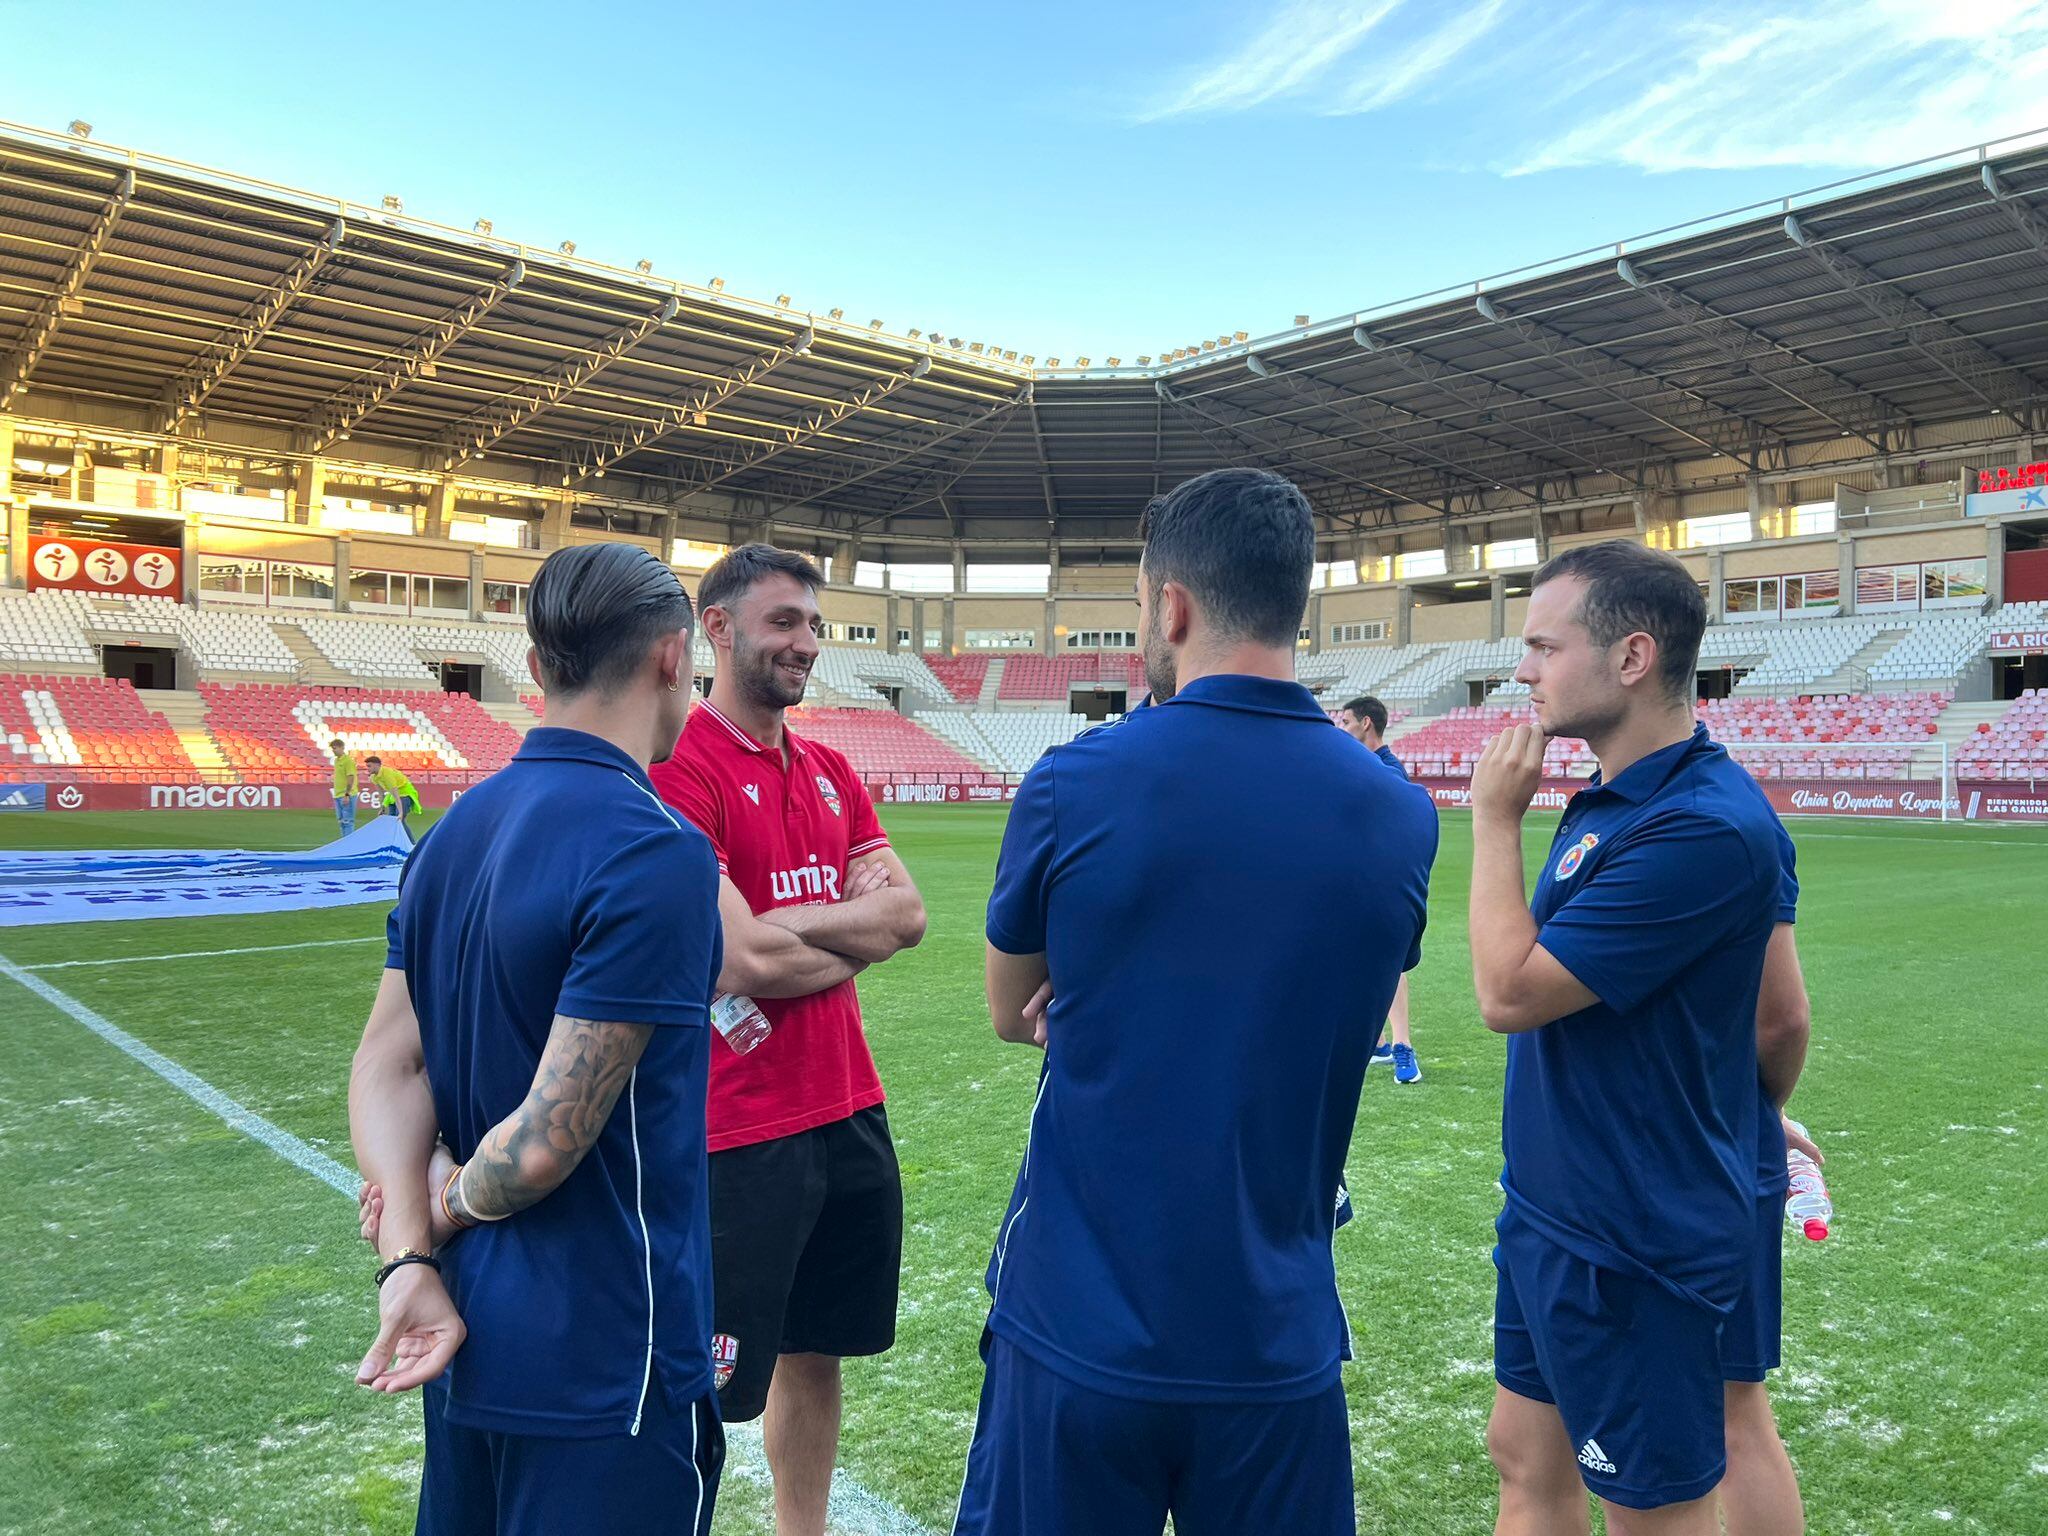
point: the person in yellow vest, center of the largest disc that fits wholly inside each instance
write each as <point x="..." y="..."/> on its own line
<point x="400" y="798"/>
<point x="344" y="785"/>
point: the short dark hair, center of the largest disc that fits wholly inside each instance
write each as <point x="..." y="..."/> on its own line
<point x="1243" y="542"/>
<point x="738" y="569"/>
<point x="1630" y="589"/>
<point x="1366" y="707"/>
<point x="337" y="742"/>
<point x="594" y="609"/>
<point x="373" y="758"/>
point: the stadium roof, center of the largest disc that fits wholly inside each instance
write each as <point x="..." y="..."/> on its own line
<point x="176" y="299"/>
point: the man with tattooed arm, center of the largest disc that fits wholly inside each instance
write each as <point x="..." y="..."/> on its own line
<point x="547" y="1274"/>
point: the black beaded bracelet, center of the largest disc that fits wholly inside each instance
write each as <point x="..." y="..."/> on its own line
<point x="405" y="1257"/>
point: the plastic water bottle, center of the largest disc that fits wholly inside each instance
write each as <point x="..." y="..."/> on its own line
<point x="1807" y="1205"/>
<point x="740" y="1020"/>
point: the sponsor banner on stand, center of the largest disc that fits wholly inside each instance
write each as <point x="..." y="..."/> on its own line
<point x="2030" y="642"/>
<point x="1975" y="800"/>
<point x="23" y="797"/>
<point x="226" y="797"/>
<point x="893" y="792"/>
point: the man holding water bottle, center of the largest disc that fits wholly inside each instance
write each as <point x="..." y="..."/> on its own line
<point x="806" y="1200"/>
<point x="1630" y="987"/>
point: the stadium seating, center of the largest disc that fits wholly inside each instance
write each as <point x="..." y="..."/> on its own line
<point x="854" y="674"/>
<point x="269" y="730"/>
<point x="1008" y="741"/>
<point x="1448" y="746"/>
<point x="503" y="647"/>
<point x="879" y="742"/>
<point x="375" y="651"/>
<point x="1030" y="677"/>
<point x="960" y="676"/>
<point x="44" y="629"/>
<point x="1937" y="646"/>
<point x="95" y="727"/>
<point x="2014" y="746"/>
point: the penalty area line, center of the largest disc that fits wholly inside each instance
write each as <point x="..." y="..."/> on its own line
<point x="854" y="1510"/>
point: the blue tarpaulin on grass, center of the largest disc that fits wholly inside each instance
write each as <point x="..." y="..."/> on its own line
<point x="73" y="887"/>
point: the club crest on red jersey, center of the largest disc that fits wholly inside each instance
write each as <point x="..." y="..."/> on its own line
<point x="1575" y="855"/>
<point x="831" y="793"/>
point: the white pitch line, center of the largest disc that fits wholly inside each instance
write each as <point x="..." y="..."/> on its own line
<point x="204" y="954"/>
<point x="854" y="1510"/>
<point x="1938" y="842"/>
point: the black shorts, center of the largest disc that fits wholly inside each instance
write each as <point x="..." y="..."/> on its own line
<point x="806" y="1252"/>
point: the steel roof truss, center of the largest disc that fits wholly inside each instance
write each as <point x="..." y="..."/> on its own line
<point x="203" y="375"/>
<point x="63" y="299"/>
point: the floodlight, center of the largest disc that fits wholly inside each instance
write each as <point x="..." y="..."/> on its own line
<point x="393" y="204"/>
<point x="567" y="247"/>
<point x="481" y="227"/>
<point x="80" y="128"/>
<point x="643" y="265"/>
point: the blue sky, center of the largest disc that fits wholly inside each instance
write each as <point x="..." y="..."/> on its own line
<point x="1059" y="178"/>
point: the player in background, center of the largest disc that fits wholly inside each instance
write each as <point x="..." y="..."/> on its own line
<point x="1630" y="986"/>
<point x="544" y="1010"/>
<point x="806" y="1199"/>
<point x="1164" y="1333"/>
<point x="400" y="798"/>
<point x="1365" y="718"/>
<point x="344" y="785"/>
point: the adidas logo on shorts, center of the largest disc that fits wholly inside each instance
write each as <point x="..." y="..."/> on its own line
<point x="1593" y="1459"/>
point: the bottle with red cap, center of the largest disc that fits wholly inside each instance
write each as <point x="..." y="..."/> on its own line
<point x="1807" y="1205"/>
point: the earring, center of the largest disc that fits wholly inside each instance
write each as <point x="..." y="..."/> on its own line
<point x="675" y="685"/>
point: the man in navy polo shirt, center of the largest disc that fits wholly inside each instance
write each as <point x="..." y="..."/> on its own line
<point x="1165" y="1330"/>
<point x="1630" y="987"/>
<point x="544" y="1010"/>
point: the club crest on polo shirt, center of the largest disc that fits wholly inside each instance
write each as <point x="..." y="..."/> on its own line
<point x="725" y="1359"/>
<point x="831" y="793"/>
<point x="1575" y="855"/>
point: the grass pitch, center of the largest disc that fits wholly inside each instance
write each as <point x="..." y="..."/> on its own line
<point x="181" y="1309"/>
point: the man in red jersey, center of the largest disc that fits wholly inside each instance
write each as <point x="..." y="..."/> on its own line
<point x="806" y="1201"/>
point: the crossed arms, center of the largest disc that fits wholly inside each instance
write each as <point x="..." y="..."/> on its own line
<point x="795" y="951"/>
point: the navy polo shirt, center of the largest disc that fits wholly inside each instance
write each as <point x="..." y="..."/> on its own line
<point x="1385" y="754"/>
<point x="1630" y="1128"/>
<point x="562" y="885"/>
<point x="1222" y="958"/>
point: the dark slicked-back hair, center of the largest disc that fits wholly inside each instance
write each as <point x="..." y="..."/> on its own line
<point x="1243" y="542"/>
<point x="593" y="611"/>
<point x="1633" y="589"/>
<point x="1366" y="707"/>
<point x="738" y="569"/>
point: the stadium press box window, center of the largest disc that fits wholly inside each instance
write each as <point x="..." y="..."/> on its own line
<point x="1001" y="640"/>
<point x="504" y="599"/>
<point x="1102" y="640"/>
<point x="302" y="586"/>
<point x="1358" y="633"/>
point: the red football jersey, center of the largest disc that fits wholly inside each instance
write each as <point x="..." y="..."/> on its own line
<point x="784" y="837"/>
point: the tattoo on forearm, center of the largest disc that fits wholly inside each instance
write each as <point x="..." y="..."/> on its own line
<point x="582" y="1072"/>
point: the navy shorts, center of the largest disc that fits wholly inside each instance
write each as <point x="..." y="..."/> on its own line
<point x="1051" y="1458"/>
<point x="1634" y="1371"/>
<point x="1751" y="1337"/>
<point x="478" y="1482"/>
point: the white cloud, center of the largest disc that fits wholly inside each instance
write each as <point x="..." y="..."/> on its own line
<point x="1292" y="52"/>
<point x="1383" y="83"/>
<point x="1652" y="85"/>
<point x="1851" y="83"/>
